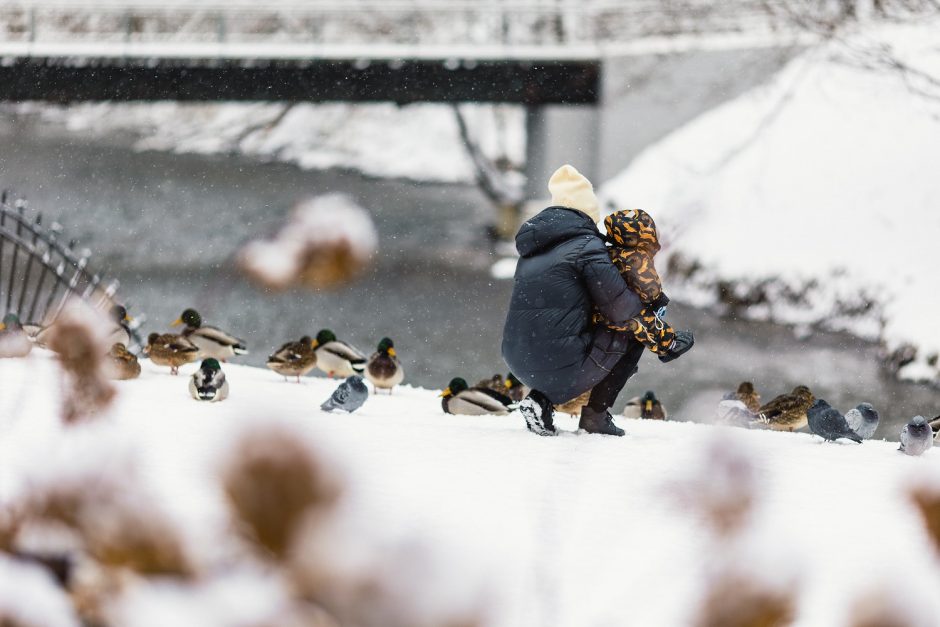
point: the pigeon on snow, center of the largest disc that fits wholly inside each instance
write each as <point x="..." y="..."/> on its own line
<point x="349" y="396"/>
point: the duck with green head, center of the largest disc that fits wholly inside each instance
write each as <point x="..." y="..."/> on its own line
<point x="212" y="341"/>
<point x="459" y="398"/>
<point x="13" y="339"/>
<point x="294" y="359"/>
<point x="209" y="383"/>
<point x="647" y="407"/>
<point x="383" y="368"/>
<point x="336" y="358"/>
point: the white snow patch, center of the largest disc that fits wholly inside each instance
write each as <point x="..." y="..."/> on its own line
<point x="824" y="178"/>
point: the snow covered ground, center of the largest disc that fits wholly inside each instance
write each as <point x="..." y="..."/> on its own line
<point x="818" y="189"/>
<point x="474" y="516"/>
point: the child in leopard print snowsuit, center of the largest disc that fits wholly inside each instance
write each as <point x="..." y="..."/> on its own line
<point x="633" y="244"/>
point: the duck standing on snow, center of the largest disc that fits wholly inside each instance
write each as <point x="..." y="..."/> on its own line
<point x="747" y="395"/>
<point x="647" y="407"/>
<point x="349" y="396"/>
<point x="169" y="349"/>
<point x="383" y="368"/>
<point x="459" y="398"/>
<point x="826" y="422"/>
<point x="863" y="420"/>
<point x="787" y="411"/>
<point x="208" y="383"/>
<point x="14" y="342"/>
<point x="294" y="359"/>
<point x="916" y="437"/>
<point x="122" y="364"/>
<point x="211" y="341"/>
<point x="335" y="358"/>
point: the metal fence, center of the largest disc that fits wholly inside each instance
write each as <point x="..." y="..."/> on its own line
<point x="40" y="270"/>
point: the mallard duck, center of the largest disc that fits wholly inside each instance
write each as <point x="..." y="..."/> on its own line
<point x="515" y="389"/>
<point x="122" y="364"/>
<point x="383" y="368"/>
<point x="120" y="333"/>
<point x="212" y="342"/>
<point x="169" y="349"/>
<point x="294" y="359"/>
<point x="646" y="407"/>
<point x="335" y="358"/>
<point x="787" y="411"/>
<point x="459" y="398"/>
<point x="747" y="395"/>
<point x="494" y="383"/>
<point x="208" y="383"/>
<point x="13" y="339"/>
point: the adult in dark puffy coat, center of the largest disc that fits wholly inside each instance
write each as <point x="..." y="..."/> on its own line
<point x="549" y="341"/>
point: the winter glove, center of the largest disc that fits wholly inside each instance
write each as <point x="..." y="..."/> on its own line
<point x="683" y="342"/>
<point x="658" y="306"/>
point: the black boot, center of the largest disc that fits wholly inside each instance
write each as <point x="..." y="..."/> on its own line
<point x="594" y="421"/>
<point x="539" y="413"/>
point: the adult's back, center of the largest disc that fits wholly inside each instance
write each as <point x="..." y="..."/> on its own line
<point x="564" y="271"/>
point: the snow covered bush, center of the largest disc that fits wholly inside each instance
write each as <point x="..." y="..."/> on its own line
<point x="79" y="340"/>
<point x="326" y="242"/>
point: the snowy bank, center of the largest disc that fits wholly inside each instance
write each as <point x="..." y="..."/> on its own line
<point x="476" y="516"/>
<point x="419" y="142"/>
<point x="811" y="200"/>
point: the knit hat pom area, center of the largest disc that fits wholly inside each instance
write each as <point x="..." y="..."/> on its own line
<point x="571" y="189"/>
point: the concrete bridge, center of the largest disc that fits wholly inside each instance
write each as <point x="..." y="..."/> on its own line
<point x="601" y="79"/>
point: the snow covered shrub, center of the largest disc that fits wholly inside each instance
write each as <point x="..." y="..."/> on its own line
<point x="735" y="600"/>
<point x="927" y="501"/>
<point x="78" y="338"/>
<point x="326" y="242"/>
<point x="723" y="486"/>
<point x="30" y="598"/>
<point x="116" y="519"/>
<point x="275" y="483"/>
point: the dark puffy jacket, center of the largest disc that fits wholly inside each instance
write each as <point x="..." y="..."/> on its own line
<point x="564" y="271"/>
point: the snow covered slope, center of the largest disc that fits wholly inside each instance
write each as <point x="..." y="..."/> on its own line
<point x="817" y="191"/>
<point x="574" y="530"/>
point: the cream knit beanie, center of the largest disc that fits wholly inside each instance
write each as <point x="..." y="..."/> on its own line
<point x="571" y="189"/>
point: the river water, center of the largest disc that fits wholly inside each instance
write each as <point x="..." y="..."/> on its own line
<point x="167" y="226"/>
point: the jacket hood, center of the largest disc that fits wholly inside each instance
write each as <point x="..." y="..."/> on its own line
<point x="552" y="226"/>
<point x="633" y="228"/>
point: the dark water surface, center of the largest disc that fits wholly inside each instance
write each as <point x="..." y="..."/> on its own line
<point x="167" y="225"/>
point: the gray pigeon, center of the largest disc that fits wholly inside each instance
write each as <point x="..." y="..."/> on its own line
<point x="863" y="420"/>
<point x="826" y="422"/>
<point x="349" y="396"/>
<point x="916" y="436"/>
<point x="208" y="383"/>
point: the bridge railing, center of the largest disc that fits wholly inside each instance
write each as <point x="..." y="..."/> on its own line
<point x="500" y="22"/>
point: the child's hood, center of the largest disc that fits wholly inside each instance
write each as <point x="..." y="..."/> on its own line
<point x="632" y="228"/>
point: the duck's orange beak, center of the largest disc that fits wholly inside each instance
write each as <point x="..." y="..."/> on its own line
<point x="649" y="405"/>
<point x="2" y="326"/>
<point x="391" y="352"/>
<point x="445" y="393"/>
<point x="507" y="383"/>
<point x="314" y="343"/>
<point x="127" y="318"/>
<point x="177" y="322"/>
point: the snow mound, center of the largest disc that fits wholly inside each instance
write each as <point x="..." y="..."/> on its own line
<point x="810" y="200"/>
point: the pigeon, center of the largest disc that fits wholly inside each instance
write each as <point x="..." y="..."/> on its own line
<point x="916" y="437"/>
<point x="208" y="383"/>
<point x="826" y="422"/>
<point x="863" y="420"/>
<point x="748" y="396"/>
<point x="646" y="406"/>
<point x="734" y="413"/>
<point x="787" y="411"/>
<point x="349" y="396"/>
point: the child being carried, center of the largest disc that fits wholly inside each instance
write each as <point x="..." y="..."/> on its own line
<point x="633" y="244"/>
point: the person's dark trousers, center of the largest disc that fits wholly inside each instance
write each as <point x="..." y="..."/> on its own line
<point x="605" y="393"/>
